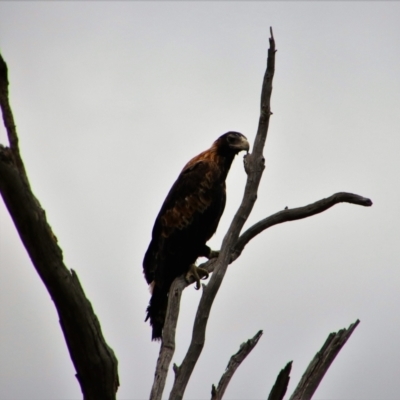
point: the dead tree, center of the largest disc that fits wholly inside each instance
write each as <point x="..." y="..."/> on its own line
<point x="232" y="246"/>
<point x="94" y="361"/>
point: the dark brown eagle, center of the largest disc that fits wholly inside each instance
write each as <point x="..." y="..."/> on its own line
<point x="187" y="220"/>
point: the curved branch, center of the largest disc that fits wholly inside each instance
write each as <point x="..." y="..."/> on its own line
<point x="233" y="364"/>
<point x="297" y="213"/>
<point x="94" y="360"/>
<point x="254" y="165"/>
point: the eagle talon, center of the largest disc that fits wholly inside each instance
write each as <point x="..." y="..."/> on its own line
<point x="203" y="272"/>
<point x="197" y="274"/>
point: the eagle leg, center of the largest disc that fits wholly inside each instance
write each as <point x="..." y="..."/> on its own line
<point x="213" y="254"/>
<point x="208" y="253"/>
<point x="196" y="273"/>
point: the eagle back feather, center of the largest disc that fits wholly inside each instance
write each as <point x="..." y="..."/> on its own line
<point x="197" y="194"/>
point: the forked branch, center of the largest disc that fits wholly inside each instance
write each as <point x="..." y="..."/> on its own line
<point x="168" y="345"/>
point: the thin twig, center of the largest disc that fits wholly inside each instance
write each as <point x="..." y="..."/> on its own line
<point x="254" y="168"/>
<point x="320" y="364"/>
<point x="233" y="364"/>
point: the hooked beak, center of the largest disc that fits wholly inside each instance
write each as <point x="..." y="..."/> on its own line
<point x="242" y="145"/>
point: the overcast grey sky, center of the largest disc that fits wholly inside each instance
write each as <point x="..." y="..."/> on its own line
<point x="111" y="99"/>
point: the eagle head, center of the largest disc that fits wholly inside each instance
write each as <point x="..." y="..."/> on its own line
<point x="232" y="142"/>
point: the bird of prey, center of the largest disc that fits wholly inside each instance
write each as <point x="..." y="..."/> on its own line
<point x="188" y="218"/>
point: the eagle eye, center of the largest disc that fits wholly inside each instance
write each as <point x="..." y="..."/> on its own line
<point x="231" y="138"/>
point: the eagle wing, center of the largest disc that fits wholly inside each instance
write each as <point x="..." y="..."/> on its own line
<point x="188" y="217"/>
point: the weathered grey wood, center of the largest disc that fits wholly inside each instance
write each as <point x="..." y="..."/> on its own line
<point x="254" y="168"/>
<point x="245" y="348"/>
<point x="167" y="347"/>
<point x="94" y="361"/>
<point x="295" y="214"/>
<point x="278" y="391"/>
<point x="320" y="364"/>
<point x="180" y="283"/>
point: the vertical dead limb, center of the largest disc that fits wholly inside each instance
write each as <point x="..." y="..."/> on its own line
<point x="254" y="164"/>
<point x="245" y="348"/>
<point x="320" y="364"/>
<point x="94" y="361"/>
<point x="167" y="347"/>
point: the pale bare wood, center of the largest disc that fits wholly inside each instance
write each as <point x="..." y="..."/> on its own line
<point x="277" y="218"/>
<point x="254" y="169"/>
<point x="167" y="347"/>
<point x="245" y="348"/>
<point x="320" y="364"/>
<point x="295" y="214"/>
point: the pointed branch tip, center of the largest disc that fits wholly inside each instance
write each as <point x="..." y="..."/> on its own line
<point x="3" y="72"/>
<point x="175" y="368"/>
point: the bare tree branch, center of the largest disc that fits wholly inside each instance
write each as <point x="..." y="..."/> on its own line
<point x="167" y="347"/>
<point x="320" y="364"/>
<point x="165" y="356"/>
<point x="297" y="213"/>
<point x="278" y="391"/>
<point x="233" y="364"/>
<point x="94" y="360"/>
<point x="254" y="167"/>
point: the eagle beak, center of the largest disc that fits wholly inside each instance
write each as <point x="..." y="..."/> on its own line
<point x="243" y="145"/>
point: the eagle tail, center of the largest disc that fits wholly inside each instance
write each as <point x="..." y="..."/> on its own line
<point x="157" y="310"/>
